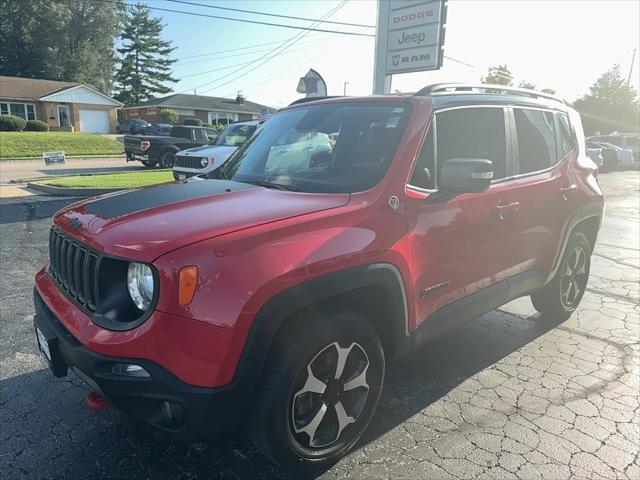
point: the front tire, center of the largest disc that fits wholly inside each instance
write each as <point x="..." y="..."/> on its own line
<point x="320" y="389"/>
<point x="560" y="298"/>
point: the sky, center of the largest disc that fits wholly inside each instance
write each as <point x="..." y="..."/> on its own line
<point x="564" y="45"/>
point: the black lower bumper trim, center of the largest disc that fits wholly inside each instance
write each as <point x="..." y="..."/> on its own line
<point x="188" y="412"/>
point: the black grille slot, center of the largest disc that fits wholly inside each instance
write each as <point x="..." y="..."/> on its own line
<point x="188" y="162"/>
<point x="74" y="268"/>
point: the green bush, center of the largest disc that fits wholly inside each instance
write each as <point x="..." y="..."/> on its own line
<point x="168" y="115"/>
<point x="11" y="123"/>
<point x="36" y="126"/>
<point x="193" y="121"/>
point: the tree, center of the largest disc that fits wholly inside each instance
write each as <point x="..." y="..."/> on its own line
<point x="145" y="65"/>
<point x="499" y="75"/>
<point x="167" y="115"/>
<point x="549" y="90"/>
<point x="68" y="40"/>
<point x="610" y="104"/>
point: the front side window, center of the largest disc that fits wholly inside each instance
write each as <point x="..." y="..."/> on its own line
<point x="472" y="133"/>
<point x="536" y="139"/>
<point x="335" y="147"/>
<point x="566" y="142"/>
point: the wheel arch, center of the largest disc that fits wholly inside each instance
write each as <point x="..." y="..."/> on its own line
<point x="376" y="291"/>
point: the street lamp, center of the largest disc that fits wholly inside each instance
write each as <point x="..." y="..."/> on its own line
<point x="344" y="92"/>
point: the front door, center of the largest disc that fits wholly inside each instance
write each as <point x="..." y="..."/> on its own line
<point x="63" y="116"/>
<point x="467" y="243"/>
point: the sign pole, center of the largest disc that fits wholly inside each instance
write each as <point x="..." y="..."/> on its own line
<point x="381" y="81"/>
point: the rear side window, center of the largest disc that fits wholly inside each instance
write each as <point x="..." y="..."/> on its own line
<point x="566" y="142"/>
<point x="536" y="139"/>
<point x="472" y="133"/>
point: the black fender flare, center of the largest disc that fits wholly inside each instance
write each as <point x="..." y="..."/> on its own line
<point x="283" y="305"/>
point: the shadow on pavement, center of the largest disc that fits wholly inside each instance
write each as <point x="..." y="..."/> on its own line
<point x="47" y="431"/>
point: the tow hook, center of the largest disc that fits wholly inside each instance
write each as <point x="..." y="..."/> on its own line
<point x="95" y="401"/>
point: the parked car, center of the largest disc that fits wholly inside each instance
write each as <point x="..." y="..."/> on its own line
<point x="163" y="129"/>
<point x="152" y="150"/>
<point x="623" y="156"/>
<point x="610" y="159"/>
<point x="133" y="126"/>
<point x="629" y="141"/>
<point x="595" y="154"/>
<point x="204" y="160"/>
<point x="271" y="299"/>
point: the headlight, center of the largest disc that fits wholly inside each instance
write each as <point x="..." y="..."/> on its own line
<point x="204" y="161"/>
<point x="140" y="285"/>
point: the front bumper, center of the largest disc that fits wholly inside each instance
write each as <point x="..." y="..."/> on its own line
<point x="188" y="412"/>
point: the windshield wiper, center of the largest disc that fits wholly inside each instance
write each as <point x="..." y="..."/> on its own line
<point x="275" y="186"/>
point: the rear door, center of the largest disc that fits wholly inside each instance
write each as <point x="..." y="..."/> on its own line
<point x="468" y="243"/>
<point x="544" y="147"/>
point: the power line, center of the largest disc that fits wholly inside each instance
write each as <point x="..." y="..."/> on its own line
<point x="256" y="22"/>
<point x="233" y="55"/>
<point x="274" y="53"/>
<point x="254" y="12"/>
<point x="229" y="50"/>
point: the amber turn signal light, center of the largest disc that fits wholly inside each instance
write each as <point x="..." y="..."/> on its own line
<point x="188" y="283"/>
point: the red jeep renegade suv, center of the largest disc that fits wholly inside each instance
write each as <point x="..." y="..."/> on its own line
<point x="346" y="232"/>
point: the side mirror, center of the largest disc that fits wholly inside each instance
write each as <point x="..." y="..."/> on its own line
<point x="465" y="175"/>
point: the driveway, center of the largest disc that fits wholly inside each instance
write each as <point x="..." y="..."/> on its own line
<point x="23" y="169"/>
<point x="509" y="395"/>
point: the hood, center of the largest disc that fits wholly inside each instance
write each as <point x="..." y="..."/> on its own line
<point x="145" y="223"/>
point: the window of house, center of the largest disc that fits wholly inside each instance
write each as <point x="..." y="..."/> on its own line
<point x="566" y="142"/>
<point x="472" y="133"/>
<point x="423" y="175"/>
<point x="23" y="110"/>
<point x="536" y="139"/>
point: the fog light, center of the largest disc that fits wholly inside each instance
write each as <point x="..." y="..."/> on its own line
<point x="129" y="370"/>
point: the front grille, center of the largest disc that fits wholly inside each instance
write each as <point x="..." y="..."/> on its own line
<point x="188" y="162"/>
<point x="74" y="268"/>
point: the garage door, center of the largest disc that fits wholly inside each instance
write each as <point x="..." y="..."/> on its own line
<point x="95" y="121"/>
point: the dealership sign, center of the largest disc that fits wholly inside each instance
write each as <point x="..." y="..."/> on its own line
<point x="410" y="36"/>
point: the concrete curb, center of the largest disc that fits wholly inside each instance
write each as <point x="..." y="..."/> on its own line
<point x="71" y="192"/>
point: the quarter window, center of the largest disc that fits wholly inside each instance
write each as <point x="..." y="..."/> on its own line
<point x="423" y="175"/>
<point x="566" y="142"/>
<point x="472" y="133"/>
<point x="536" y="140"/>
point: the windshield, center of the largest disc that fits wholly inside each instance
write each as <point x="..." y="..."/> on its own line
<point x="338" y="147"/>
<point x="235" y="135"/>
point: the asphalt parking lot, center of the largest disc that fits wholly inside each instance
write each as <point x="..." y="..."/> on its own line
<point x="510" y="395"/>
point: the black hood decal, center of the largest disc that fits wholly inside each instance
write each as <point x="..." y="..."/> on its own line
<point x="144" y="198"/>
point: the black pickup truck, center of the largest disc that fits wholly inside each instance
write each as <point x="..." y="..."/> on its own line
<point x="152" y="150"/>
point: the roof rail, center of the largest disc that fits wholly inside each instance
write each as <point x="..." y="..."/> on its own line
<point x="311" y="99"/>
<point x="444" y="88"/>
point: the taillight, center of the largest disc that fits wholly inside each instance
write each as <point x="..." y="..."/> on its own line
<point x="144" y="145"/>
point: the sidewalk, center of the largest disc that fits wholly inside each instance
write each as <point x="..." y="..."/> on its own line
<point x="23" y="169"/>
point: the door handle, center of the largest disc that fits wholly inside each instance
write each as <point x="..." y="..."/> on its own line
<point x="566" y="191"/>
<point x="504" y="209"/>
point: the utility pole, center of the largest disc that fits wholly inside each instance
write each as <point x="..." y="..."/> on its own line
<point x="633" y="59"/>
<point x="344" y="90"/>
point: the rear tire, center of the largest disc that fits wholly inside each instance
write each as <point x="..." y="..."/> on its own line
<point x="560" y="298"/>
<point x="167" y="158"/>
<point x="305" y="418"/>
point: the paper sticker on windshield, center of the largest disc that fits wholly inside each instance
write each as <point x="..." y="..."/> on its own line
<point x="398" y="110"/>
<point x="393" y="122"/>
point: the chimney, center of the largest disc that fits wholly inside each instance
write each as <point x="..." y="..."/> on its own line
<point x="239" y="98"/>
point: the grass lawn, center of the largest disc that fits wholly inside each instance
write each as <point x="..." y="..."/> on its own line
<point x="113" y="180"/>
<point x="32" y="144"/>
